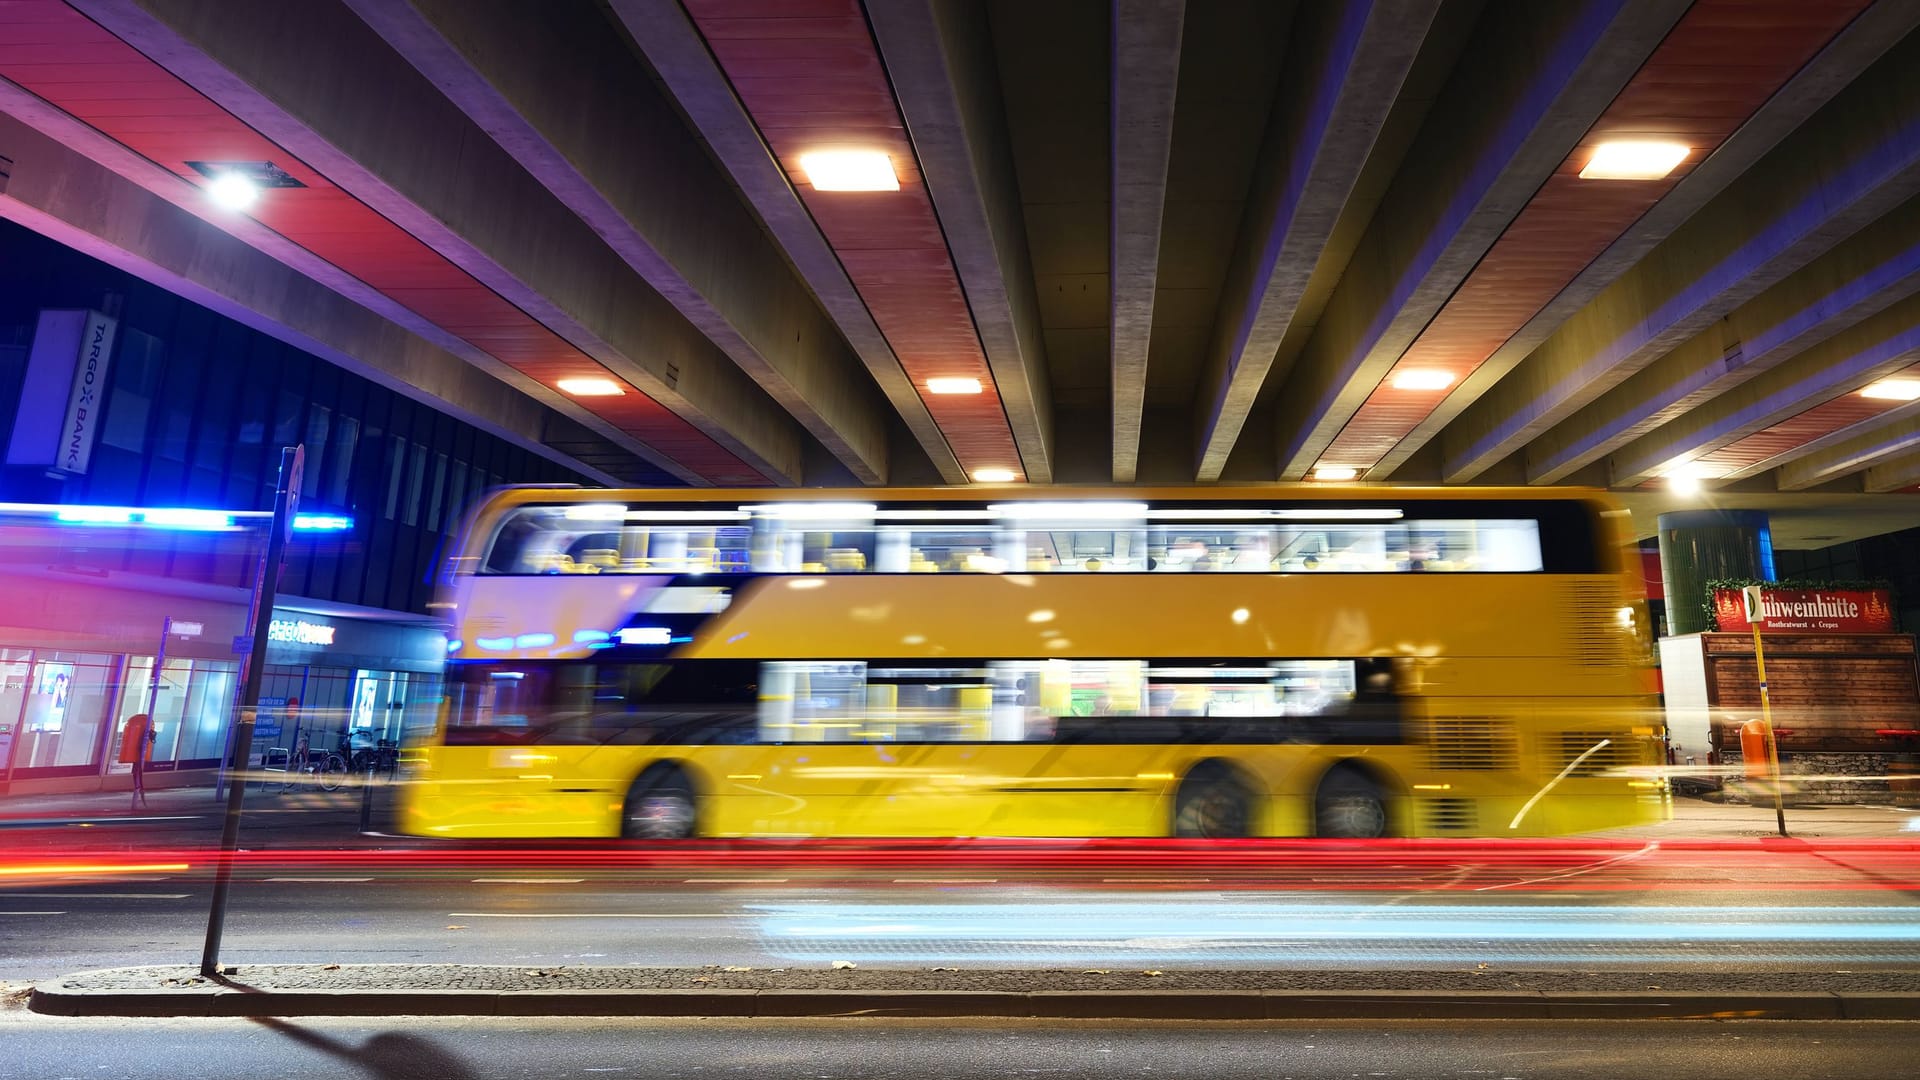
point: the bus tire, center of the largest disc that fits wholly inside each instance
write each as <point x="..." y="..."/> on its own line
<point x="661" y="805"/>
<point x="1349" y="805"/>
<point x="1214" y="803"/>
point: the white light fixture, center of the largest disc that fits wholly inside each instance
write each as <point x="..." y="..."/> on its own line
<point x="231" y="191"/>
<point x="993" y="476"/>
<point x="1634" y="159"/>
<point x="1423" y="379"/>
<point x="1072" y="511"/>
<point x="1685" y="479"/>
<point x="849" y="170"/>
<point x="1894" y="390"/>
<point x="1336" y="472"/>
<point x="590" y="387"/>
<point x="805" y="511"/>
<point x="953" y="386"/>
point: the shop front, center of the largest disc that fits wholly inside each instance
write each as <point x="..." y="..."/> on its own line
<point x="79" y="659"/>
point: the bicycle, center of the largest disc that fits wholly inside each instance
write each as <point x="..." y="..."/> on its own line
<point x="326" y="769"/>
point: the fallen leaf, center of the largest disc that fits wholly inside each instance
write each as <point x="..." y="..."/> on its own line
<point x="946" y="969"/>
<point x="1096" y="971"/>
<point x="330" y="967"/>
<point x="1149" y="973"/>
<point x="844" y="965"/>
<point x="731" y="967"/>
<point x="456" y="926"/>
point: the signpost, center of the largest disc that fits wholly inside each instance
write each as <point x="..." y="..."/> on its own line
<point x="1756" y="613"/>
<point x="285" y="501"/>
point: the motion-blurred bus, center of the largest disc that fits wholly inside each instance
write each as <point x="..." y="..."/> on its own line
<point x="1204" y="662"/>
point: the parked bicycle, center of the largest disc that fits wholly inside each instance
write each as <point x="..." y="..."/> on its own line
<point x="303" y="767"/>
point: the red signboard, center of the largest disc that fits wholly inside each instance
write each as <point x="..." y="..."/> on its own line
<point x="1816" y="611"/>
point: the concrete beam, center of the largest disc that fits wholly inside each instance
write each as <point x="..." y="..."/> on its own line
<point x="1146" y="76"/>
<point x="1860" y="446"/>
<point x="1858" y="158"/>
<point x="319" y="82"/>
<point x="1530" y="84"/>
<point x="940" y="60"/>
<point x="87" y="191"/>
<point x="1851" y="51"/>
<point x="1872" y="350"/>
<point x="682" y="62"/>
<point x="570" y="103"/>
<point x="1873" y="269"/>
<point x="1346" y="65"/>
<point x="1896" y="475"/>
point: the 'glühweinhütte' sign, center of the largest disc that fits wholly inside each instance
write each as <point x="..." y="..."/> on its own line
<point x="1820" y="611"/>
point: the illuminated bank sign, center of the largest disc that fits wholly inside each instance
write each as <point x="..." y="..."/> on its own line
<point x="300" y="632"/>
<point x="64" y="394"/>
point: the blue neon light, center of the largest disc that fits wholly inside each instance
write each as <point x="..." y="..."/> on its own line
<point x="455" y="645"/>
<point x="187" y="519"/>
<point x="497" y="644"/>
<point x="101" y="515"/>
<point x="582" y="637"/>
<point x="322" y="523"/>
<point x="533" y="641"/>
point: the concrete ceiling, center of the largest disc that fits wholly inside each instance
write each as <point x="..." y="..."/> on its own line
<point x="1174" y="240"/>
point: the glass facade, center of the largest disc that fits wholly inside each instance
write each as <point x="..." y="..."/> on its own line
<point x="198" y="405"/>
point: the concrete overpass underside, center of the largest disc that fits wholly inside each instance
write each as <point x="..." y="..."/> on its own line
<point x="1166" y="241"/>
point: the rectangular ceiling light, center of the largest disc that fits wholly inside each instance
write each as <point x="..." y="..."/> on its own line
<point x="1336" y="472"/>
<point x="591" y="387"/>
<point x="953" y="386"/>
<point x="993" y="476"/>
<point x="1894" y="390"/>
<point x="849" y="170"/>
<point x="1423" y="379"/>
<point x="1634" y="159"/>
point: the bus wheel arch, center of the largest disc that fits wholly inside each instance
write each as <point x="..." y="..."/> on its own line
<point x="1216" y="799"/>
<point x="663" y="803"/>
<point x="1358" y="800"/>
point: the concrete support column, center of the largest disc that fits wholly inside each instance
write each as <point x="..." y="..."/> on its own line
<point x="1698" y="546"/>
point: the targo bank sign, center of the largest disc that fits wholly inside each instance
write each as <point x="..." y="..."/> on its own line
<point x="1817" y="611"/>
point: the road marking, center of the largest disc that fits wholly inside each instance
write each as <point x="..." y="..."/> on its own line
<point x="528" y="880"/>
<point x="108" y="895"/>
<point x="1652" y="846"/>
<point x="577" y="915"/>
<point x="317" y="879"/>
<point x="1155" y="880"/>
<point x="944" y="880"/>
<point x="733" y="881"/>
<point x="3" y="913"/>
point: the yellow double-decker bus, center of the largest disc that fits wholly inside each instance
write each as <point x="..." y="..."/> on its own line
<point x="1206" y="662"/>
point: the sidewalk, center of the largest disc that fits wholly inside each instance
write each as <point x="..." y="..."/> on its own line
<point x="477" y="990"/>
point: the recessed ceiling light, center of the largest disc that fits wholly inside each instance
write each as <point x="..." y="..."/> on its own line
<point x="592" y="387"/>
<point x="231" y="191"/>
<point x="1634" y="159"/>
<point x="1685" y="478"/>
<point x="1336" y="472"/>
<point x="849" y="170"/>
<point x="953" y="386"/>
<point x="1423" y="379"/>
<point x="1894" y="389"/>
<point x="994" y="476"/>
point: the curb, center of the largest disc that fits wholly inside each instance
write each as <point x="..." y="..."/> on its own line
<point x="1040" y="1004"/>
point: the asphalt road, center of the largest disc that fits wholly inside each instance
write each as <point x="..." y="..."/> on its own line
<point x="593" y="1049"/>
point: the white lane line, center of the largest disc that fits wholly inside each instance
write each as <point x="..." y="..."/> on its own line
<point x="733" y="881"/>
<point x="108" y="895"/>
<point x="317" y="879"/>
<point x="1155" y="880"/>
<point x="944" y="880"/>
<point x="3" y="914"/>
<point x="577" y="915"/>
<point x="528" y="880"/>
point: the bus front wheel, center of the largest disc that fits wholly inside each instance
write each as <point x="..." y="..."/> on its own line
<point x="1214" y="803"/>
<point x="660" y="806"/>
<point x="1348" y="805"/>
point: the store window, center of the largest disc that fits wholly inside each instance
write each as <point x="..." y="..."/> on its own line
<point x="55" y="702"/>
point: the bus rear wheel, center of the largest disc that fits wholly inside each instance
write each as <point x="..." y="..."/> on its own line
<point x="1348" y="805"/>
<point x="1213" y="803"/>
<point x="660" y="806"/>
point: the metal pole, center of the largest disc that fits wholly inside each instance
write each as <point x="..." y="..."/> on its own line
<point x="1773" y="745"/>
<point x="286" y="498"/>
